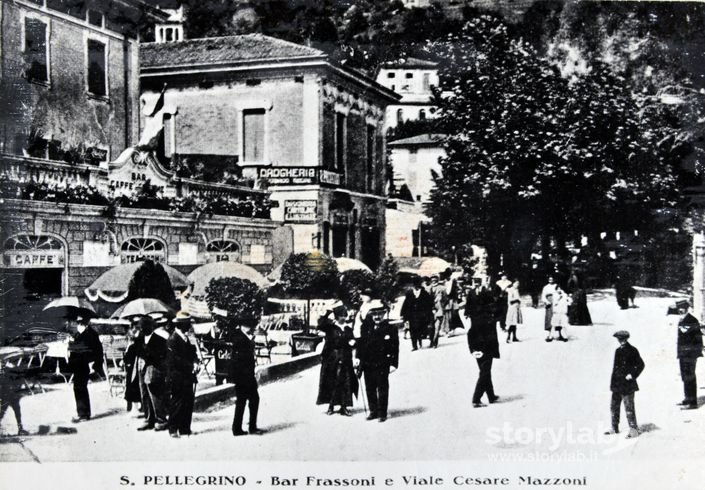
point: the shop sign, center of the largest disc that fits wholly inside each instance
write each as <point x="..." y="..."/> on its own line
<point x="299" y="176"/>
<point x="330" y="178"/>
<point x="289" y="175"/>
<point x="34" y="259"/>
<point x="340" y="219"/>
<point x="301" y="211"/>
<point x="131" y="257"/>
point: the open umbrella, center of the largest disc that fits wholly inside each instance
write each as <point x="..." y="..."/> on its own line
<point x="201" y="276"/>
<point x="432" y="266"/>
<point x="346" y="264"/>
<point x="72" y="305"/>
<point x="142" y="307"/>
<point x="113" y="284"/>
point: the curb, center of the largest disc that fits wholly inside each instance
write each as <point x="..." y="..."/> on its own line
<point x="264" y="374"/>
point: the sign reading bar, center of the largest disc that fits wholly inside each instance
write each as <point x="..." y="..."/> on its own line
<point x="298" y="176"/>
<point x="34" y="259"/>
<point x="300" y="211"/>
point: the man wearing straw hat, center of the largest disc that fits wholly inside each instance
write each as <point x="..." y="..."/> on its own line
<point x="181" y="361"/>
<point x="377" y="356"/>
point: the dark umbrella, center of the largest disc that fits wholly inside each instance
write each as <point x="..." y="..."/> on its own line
<point x="113" y="285"/>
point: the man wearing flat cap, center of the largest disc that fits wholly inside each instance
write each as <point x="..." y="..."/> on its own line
<point x="628" y="365"/>
<point x="377" y="356"/>
<point x="181" y="361"/>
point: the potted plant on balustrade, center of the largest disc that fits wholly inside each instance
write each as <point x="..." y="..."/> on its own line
<point x="241" y="301"/>
<point x="308" y="276"/>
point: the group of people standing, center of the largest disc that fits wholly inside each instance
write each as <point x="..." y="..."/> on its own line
<point x="346" y="357"/>
<point x="161" y="365"/>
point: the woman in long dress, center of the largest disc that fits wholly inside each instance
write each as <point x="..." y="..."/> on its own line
<point x="337" y="382"/>
<point x="514" y="316"/>
<point x="559" y="321"/>
<point x="578" y="313"/>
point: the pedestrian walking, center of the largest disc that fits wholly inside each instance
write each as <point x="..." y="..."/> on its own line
<point x="130" y="359"/>
<point x="85" y="350"/>
<point x="377" y="357"/>
<point x="365" y="298"/>
<point x="242" y="373"/>
<point x="559" y="318"/>
<point x="10" y="385"/>
<point x="481" y="307"/>
<point x="690" y="348"/>
<point x="417" y="311"/>
<point x="154" y="390"/>
<point x="547" y="297"/>
<point x="627" y="367"/>
<point x="181" y="362"/>
<point x="578" y="312"/>
<point x="514" y="315"/>
<point x="337" y="382"/>
<point x="501" y="292"/>
<point x="440" y="298"/>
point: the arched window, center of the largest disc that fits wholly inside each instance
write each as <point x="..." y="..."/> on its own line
<point x="223" y="251"/>
<point x="139" y="249"/>
<point x="33" y="251"/>
<point x="400" y="115"/>
<point x="422" y="114"/>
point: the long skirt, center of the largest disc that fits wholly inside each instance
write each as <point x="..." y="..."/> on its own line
<point x="514" y="316"/>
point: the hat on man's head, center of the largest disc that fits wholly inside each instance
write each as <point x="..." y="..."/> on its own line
<point x="337" y="307"/>
<point x="367" y="292"/>
<point x="376" y="304"/>
<point x="182" y="317"/>
<point x="220" y="312"/>
<point x="621" y="334"/>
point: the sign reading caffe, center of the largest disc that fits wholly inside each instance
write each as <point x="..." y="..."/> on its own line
<point x="34" y="259"/>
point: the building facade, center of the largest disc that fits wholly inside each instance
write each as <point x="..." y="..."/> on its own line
<point x="413" y="79"/>
<point x="309" y="131"/>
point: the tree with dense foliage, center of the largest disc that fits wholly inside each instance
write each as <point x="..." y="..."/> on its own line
<point x="241" y="298"/>
<point x="150" y="280"/>
<point x="310" y="275"/>
<point x="537" y="154"/>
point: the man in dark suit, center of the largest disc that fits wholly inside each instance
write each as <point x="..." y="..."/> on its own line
<point x="181" y="360"/>
<point x="690" y="347"/>
<point x="242" y="373"/>
<point x="154" y="351"/>
<point x="417" y="310"/>
<point x="377" y="356"/>
<point x="481" y="307"/>
<point x="628" y="365"/>
<point x="84" y="349"/>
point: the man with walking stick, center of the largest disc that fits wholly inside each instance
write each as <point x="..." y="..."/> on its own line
<point x="377" y="357"/>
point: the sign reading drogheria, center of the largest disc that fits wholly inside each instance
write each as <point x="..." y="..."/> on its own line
<point x="298" y="176"/>
<point x="300" y="211"/>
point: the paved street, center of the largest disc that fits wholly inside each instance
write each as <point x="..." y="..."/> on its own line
<point x="555" y="400"/>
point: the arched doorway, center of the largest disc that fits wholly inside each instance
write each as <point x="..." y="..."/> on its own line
<point x="32" y="275"/>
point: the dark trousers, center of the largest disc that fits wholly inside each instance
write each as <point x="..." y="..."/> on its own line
<point x="615" y="407"/>
<point x="181" y="405"/>
<point x="246" y="394"/>
<point x="690" y="383"/>
<point x="155" y="407"/>
<point x="377" y="389"/>
<point x="512" y="332"/>
<point x="80" y="390"/>
<point x="484" y="380"/>
<point x="417" y="331"/>
<point x="10" y="398"/>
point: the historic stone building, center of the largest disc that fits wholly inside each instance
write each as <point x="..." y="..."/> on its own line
<point x="282" y="114"/>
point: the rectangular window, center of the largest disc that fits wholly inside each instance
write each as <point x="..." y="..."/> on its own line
<point x="370" y="181"/>
<point x="253" y="135"/>
<point x="96" y="68"/>
<point x="391" y="74"/>
<point x="426" y="82"/>
<point x="340" y="122"/>
<point x="409" y="75"/>
<point x="35" y="48"/>
<point x="95" y="18"/>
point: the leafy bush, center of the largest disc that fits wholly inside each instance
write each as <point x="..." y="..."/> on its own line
<point x="151" y="281"/>
<point x="352" y="283"/>
<point x="242" y="299"/>
<point x="311" y="275"/>
<point x="386" y="281"/>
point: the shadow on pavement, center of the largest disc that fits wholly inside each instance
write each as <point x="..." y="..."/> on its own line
<point x="402" y="412"/>
<point x="109" y="413"/>
<point x="508" y="399"/>
<point x="644" y="428"/>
